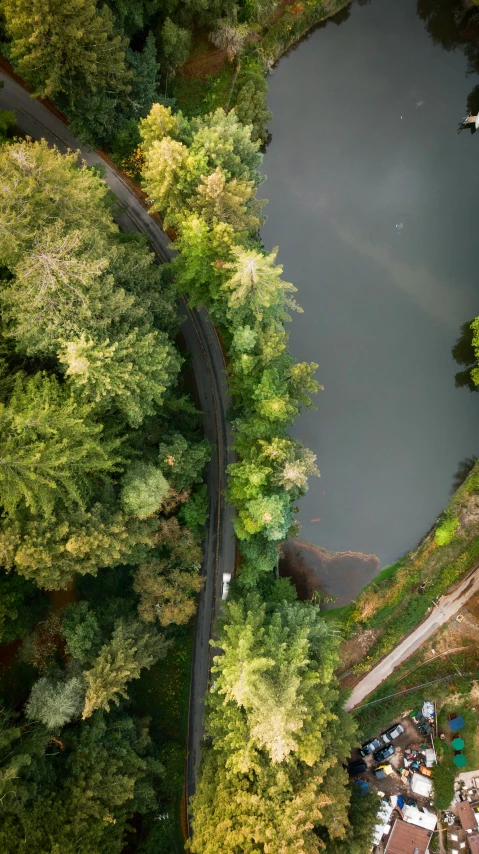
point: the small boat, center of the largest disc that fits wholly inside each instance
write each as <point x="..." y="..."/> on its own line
<point x="471" y="121"/>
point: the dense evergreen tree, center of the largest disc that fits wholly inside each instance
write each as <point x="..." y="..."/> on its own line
<point x="130" y="650"/>
<point x="80" y="797"/>
<point x="81" y="631"/>
<point x="181" y="461"/>
<point x="175" y="42"/>
<point x="59" y="47"/>
<point x="55" y="702"/>
<point x="362" y="815"/>
<point x="208" y="164"/>
<point x="50" y="447"/>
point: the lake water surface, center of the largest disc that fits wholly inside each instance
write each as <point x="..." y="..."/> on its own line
<point x="374" y="202"/>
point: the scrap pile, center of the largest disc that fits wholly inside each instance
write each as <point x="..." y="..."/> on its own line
<point x="418" y="761"/>
<point x="425" y="718"/>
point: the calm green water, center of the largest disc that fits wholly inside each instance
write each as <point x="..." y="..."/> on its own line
<point x="374" y="202"/>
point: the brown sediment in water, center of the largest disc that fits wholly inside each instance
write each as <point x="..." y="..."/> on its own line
<point x="338" y="574"/>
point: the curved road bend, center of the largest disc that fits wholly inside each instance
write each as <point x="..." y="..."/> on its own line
<point x="36" y="120"/>
<point x="447" y="606"/>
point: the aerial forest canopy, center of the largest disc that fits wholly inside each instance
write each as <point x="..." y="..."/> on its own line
<point x="271" y="778"/>
<point x="101" y="452"/>
<point x="202" y="177"/>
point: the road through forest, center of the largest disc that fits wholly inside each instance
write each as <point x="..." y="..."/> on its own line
<point x="35" y="119"/>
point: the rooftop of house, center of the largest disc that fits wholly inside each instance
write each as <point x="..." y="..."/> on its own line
<point x="408" y="839"/>
<point x="467" y="816"/>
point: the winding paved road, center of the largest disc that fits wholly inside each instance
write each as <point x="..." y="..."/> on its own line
<point x="36" y="120"/>
<point x="447" y="606"/>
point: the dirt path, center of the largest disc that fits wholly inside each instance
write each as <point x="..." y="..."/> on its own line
<point x="447" y="606"/>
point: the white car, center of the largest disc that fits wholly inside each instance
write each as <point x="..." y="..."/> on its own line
<point x="225" y="584"/>
<point x="392" y="733"/>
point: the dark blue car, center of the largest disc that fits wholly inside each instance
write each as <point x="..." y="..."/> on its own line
<point x="385" y="753"/>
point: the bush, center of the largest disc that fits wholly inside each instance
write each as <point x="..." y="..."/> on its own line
<point x="443" y="780"/>
<point x="445" y="531"/>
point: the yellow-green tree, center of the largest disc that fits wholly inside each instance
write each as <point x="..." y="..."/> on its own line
<point x="274" y="774"/>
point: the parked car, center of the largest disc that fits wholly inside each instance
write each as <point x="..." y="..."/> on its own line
<point x="384" y="753"/>
<point x="369" y="747"/>
<point x="225" y="584"/>
<point x="392" y="733"/>
<point x="358" y="767"/>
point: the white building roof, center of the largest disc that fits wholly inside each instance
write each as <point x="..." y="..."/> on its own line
<point x="421" y="785"/>
<point x="383" y="826"/>
<point x="425" y="819"/>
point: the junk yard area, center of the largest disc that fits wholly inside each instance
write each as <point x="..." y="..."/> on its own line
<point x="407" y="770"/>
<point x="425" y="767"/>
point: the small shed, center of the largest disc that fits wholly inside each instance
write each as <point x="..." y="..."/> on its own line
<point x="456" y="724"/>
<point x="421" y="785"/>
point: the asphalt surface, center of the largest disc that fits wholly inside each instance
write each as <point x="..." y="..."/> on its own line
<point x="447" y="606"/>
<point x="36" y="120"/>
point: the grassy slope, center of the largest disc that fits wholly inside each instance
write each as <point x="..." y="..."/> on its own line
<point x="398" y="599"/>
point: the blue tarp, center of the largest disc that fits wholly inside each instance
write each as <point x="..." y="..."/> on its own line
<point x="456" y="724"/>
<point x="400" y="802"/>
<point x="362" y="785"/>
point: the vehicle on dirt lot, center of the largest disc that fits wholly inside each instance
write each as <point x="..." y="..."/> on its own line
<point x="369" y="747"/>
<point x="384" y="753"/>
<point x="392" y="733"/>
<point x="358" y="767"/>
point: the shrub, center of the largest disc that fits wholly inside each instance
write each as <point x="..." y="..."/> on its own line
<point x="443" y="780"/>
<point x="446" y="530"/>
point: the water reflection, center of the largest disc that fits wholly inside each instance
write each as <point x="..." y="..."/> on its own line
<point x="464" y="467"/>
<point x="464" y="354"/>
<point x="440" y="18"/>
<point x="455" y="26"/>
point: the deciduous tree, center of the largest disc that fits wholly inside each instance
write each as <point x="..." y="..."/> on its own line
<point x="143" y="490"/>
<point x="74" y="540"/>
